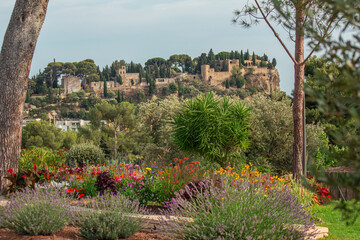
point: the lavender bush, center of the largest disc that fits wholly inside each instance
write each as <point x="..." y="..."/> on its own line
<point x="36" y="212"/>
<point x="109" y="217"/>
<point x="238" y="210"/>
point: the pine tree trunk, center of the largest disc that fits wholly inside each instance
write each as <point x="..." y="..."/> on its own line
<point x="115" y="144"/>
<point x="15" y="62"/>
<point x="298" y="90"/>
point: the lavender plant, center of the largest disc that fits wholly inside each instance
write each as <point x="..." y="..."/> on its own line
<point x="238" y="210"/>
<point x="109" y="217"/>
<point x="36" y="212"/>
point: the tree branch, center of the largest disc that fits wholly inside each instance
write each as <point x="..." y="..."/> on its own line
<point x="326" y="31"/>
<point x="275" y="33"/>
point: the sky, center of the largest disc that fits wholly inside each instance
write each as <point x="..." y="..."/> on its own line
<point x="136" y="30"/>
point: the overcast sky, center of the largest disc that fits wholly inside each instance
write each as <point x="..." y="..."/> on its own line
<point x="108" y="30"/>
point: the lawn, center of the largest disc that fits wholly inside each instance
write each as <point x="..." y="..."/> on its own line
<point x="337" y="228"/>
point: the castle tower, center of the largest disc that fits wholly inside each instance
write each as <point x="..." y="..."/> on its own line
<point x="205" y="72"/>
<point x="231" y="63"/>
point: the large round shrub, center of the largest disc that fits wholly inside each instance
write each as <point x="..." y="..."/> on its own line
<point x="84" y="153"/>
<point x="271" y="127"/>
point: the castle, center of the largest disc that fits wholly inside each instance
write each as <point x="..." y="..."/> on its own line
<point x="266" y="79"/>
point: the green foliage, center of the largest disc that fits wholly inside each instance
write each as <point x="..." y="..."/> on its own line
<point x="87" y="186"/>
<point x="70" y="138"/>
<point x="120" y="119"/>
<point x="271" y="138"/>
<point x="338" y="96"/>
<point x="140" y="96"/>
<point x="84" y="153"/>
<point x="165" y="91"/>
<point x="36" y="212"/>
<point x="213" y="128"/>
<point x="111" y="219"/>
<point x="42" y="134"/>
<point x="91" y="101"/>
<point x="105" y="89"/>
<point x="41" y="157"/>
<point x="154" y="118"/>
<point x="110" y="94"/>
<point x="273" y="63"/>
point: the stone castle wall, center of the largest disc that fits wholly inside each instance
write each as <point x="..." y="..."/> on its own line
<point x="266" y="79"/>
<point x="70" y="84"/>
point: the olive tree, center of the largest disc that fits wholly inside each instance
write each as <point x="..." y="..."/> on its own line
<point x="116" y="118"/>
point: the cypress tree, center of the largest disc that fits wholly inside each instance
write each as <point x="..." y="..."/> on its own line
<point x="105" y="89"/>
<point x="227" y="84"/>
<point x="118" y="98"/>
<point x="254" y="59"/>
<point x="27" y="99"/>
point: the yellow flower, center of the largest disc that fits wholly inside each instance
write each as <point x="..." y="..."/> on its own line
<point x="149" y="169"/>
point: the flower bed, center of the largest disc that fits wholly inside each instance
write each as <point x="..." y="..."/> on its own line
<point x="179" y="184"/>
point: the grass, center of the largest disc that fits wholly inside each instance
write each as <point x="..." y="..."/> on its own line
<point x="332" y="219"/>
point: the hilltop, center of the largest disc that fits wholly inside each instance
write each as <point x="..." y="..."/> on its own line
<point x="70" y="89"/>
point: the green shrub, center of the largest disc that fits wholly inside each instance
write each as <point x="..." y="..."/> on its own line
<point x="111" y="219"/>
<point x="41" y="157"/>
<point x="213" y="128"/>
<point x="36" y="212"/>
<point x="84" y="153"/>
<point x="237" y="210"/>
<point x="271" y="137"/>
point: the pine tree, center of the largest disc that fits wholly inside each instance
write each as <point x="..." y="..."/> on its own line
<point x="157" y="72"/>
<point x="246" y="55"/>
<point x="140" y="76"/>
<point x="232" y="54"/>
<point x="211" y="56"/>
<point x="237" y="55"/>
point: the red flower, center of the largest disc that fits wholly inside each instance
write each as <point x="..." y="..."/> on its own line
<point x="81" y="195"/>
<point x="24" y="176"/>
<point x="70" y="190"/>
<point x="10" y="170"/>
<point x="34" y="166"/>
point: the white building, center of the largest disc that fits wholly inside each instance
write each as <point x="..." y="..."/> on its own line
<point x="71" y="124"/>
